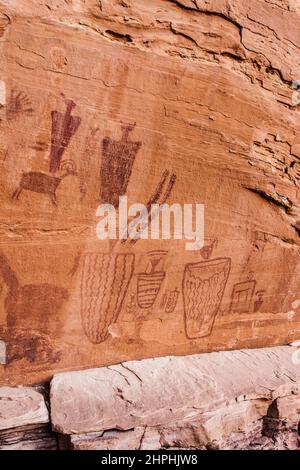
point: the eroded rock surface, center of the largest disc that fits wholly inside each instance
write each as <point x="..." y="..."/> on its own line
<point x="162" y="101"/>
<point x="24" y="419"/>
<point x="21" y="406"/>
<point x="236" y="399"/>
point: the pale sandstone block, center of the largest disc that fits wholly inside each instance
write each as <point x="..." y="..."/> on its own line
<point x="232" y="388"/>
<point x="21" y="407"/>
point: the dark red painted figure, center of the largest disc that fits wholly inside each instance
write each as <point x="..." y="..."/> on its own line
<point x="64" y="126"/>
<point x="117" y="163"/>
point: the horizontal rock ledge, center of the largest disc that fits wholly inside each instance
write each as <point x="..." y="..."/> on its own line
<point x="168" y="390"/>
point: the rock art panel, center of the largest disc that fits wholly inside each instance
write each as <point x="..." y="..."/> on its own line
<point x="195" y="106"/>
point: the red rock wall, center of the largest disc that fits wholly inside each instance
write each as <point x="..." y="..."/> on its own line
<point x="179" y="101"/>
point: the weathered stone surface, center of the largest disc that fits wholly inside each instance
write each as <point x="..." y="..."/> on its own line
<point x="209" y="86"/>
<point x="28" y="438"/>
<point x="287" y="439"/>
<point x="287" y="409"/>
<point x="187" y="436"/>
<point x="108" y="440"/>
<point x="217" y="393"/>
<point x="20" y="407"/>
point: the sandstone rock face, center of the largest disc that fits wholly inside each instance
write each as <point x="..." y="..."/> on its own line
<point x="28" y="438"/>
<point x="24" y="420"/>
<point x="165" y="101"/>
<point x="211" y="395"/>
<point x="226" y="400"/>
<point x="20" y="407"/>
<point x="210" y="403"/>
